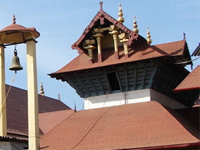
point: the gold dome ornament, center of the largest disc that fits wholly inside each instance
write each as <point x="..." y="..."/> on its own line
<point x="41" y="89"/>
<point x="120" y="14"/>
<point x="135" y="26"/>
<point x="149" y="41"/>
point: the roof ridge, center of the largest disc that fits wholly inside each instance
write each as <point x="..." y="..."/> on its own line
<point x="56" y="111"/>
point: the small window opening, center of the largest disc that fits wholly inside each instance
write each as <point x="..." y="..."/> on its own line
<point x="114" y="84"/>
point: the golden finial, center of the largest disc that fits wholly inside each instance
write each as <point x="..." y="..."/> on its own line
<point x="120" y="14"/>
<point x="149" y="41"/>
<point x="135" y="26"/>
<point x="14" y="19"/>
<point x="41" y="89"/>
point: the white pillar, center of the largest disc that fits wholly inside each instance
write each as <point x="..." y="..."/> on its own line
<point x="3" y="121"/>
<point x="33" y="123"/>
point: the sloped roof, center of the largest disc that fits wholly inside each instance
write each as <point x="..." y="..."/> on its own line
<point x="137" y="53"/>
<point x="140" y="125"/>
<point x="49" y="120"/>
<point x="192" y="81"/>
<point x="17" y="109"/>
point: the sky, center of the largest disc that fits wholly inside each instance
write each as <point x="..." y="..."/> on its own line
<point x="61" y="22"/>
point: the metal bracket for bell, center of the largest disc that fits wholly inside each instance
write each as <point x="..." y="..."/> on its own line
<point x="15" y="62"/>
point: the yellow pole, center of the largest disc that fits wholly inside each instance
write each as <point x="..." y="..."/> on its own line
<point x="33" y="123"/>
<point x="3" y="121"/>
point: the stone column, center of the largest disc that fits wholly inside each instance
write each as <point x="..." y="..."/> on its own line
<point x="33" y="122"/>
<point x="3" y="121"/>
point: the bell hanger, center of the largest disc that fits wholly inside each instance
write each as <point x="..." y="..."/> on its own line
<point x="15" y="62"/>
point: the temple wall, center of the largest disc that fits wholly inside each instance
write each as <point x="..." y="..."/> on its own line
<point x="130" y="97"/>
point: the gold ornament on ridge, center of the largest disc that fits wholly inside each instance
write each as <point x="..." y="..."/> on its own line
<point x="120" y="14"/>
<point x="149" y="41"/>
<point x="135" y="26"/>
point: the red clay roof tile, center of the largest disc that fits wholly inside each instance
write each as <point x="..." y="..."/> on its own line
<point x="136" y="53"/>
<point x="139" y="125"/>
<point x="17" y="109"/>
<point x="49" y="120"/>
<point x="192" y="81"/>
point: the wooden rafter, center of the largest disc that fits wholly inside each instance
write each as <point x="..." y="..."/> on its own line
<point x="69" y="80"/>
<point x="144" y="74"/>
<point x="117" y="75"/>
<point x="98" y="81"/>
<point x="126" y="76"/>
<point x="78" y="79"/>
<point x="107" y="82"/>
<point x="135" y="76"/>
<point x="90" y="83"/>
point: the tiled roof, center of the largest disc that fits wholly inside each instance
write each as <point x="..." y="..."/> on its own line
<point x="140" y="125"/>
<point x="137" y="53"/>
<point x="17" y="109"/>
<point x="49" y="120"/>
<point x="192" y="81"/>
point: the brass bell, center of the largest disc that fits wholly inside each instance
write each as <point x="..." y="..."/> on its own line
<point x="15" y="63"/>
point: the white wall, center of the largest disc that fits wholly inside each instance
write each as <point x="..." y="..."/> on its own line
<point x="117" y="99"/>
<point x="130" y="97"/>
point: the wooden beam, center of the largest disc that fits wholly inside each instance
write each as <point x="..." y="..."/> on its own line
<point x="90" y="83"/>
<point x="107" y="82"/>
<point x="153" y="74"/>
<point x="70" y="81"/>
<point x="98" y="81"/>
<point x="126" y="76"/>
<point x="78" y="79"/>
<point x="117" y="75"/>
<point x="144" y="74"/>
<point x="135" y="76"/>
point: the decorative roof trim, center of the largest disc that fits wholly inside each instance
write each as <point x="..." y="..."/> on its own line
<point x="103" y="15"/>
<point x="9" y="138"/>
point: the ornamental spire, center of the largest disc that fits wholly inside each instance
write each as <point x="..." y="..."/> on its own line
<point x="120" y="14"/>
<point x="101" y="5"/>
<point x="135" y="26"/>
<point x="149" y="41"/>
<point x="14" y="19"/>
<point x="41" y="89"/>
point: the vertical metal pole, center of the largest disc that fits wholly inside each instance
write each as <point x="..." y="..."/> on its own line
<point x="3" y="121"/>
<point x="33" y="123"/>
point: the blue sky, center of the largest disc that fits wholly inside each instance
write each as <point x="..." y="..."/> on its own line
<point x="62" y="22"/>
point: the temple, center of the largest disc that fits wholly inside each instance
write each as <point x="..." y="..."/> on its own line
<point x="119" y="65"/>
<point x="130" y="92"/>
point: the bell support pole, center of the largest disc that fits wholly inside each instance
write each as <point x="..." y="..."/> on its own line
<point x="33" y="121"/>
<point x="3" y="122"/>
